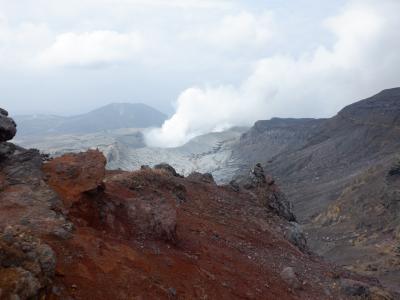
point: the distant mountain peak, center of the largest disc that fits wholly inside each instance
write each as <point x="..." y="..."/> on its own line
<point x="109" y="117"/>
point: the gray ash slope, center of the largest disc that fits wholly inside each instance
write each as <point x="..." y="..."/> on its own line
<point x="118" y="131"/>
<point x="340" y="174"/>
<point x="125" y="149"/>
<point x="110" y="117"/>
<point x="316" y="158"/>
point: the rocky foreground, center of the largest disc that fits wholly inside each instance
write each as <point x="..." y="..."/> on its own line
<point x="72" y="230"/>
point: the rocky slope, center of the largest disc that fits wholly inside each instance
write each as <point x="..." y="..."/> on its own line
<point x="361" y="228"/>
<point x="110" y="117"/>
<point x="72" y="230"/>
<point x="335" y="173"/>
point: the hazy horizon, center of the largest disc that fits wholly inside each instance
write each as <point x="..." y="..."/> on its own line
<point x="207" y="64"/>
<point x="90" y="110"/>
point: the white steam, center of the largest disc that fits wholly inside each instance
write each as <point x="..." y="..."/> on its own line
<point x="364" y="59"/>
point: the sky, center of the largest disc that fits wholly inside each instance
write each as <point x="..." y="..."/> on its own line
<point x="208" y="64"/>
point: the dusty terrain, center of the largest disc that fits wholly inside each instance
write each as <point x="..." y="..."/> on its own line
<point x="72" y="230"/>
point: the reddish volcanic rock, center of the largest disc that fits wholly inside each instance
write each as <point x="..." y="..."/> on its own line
<point x="73" y="174"/>
<point x="150" y="235"/>
<point x="28" y="216"/>
<point x="25" y="199"/>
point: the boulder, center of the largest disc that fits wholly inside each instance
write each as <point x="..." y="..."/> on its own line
<point x="256" y="178"/>
<point x="395" y="170"/>
<point x="266" y="189"/>
<point x="257" y="173"/>
<point x="199" y="177"/>
<point x="278" y="203"/>
<point x="3" y="112"/>
<point x="6" y="149"/>
<point x="74" y="174"/>
<point x="234" y="185"/>
<point x="168" y="168"/>
<point x="296" y="236"/>
<point x="8" y="128"/>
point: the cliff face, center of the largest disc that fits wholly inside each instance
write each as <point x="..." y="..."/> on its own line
<point x="30" y="215"/>
<point x="315" y="159"/>
<point x="335" y="173"/>
<point x="70" y="229"/>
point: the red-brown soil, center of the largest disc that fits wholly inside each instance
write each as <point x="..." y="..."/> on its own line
<point x="151" y="235"/>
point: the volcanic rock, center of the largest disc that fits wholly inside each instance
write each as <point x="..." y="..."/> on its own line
<point x="278" y="202"/>
<point x="395" y="169"/>
<point x="297" y="237"/>
<point x="234" y="185"/>
<point x="26" y="264"/>
<point x="289" y="276"/>
<point x="267" y="190"/>
<point x="148" y="235"/>
<point x="169" y="169"/>
<point x="74" y="174"/>
<point x="3" y="112"/>
<point x="25" y="199"/>
<point x="341" y="174"/>
<point x="8" y="128"/>
<point x="255" y="178"/>
<point x="199" y="177"/>
<point x="142" y="240"/>
<point x="6" y="149"/>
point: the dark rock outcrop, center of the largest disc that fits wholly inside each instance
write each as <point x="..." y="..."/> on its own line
<point x="25" y="199"/>
<point x="256" y="177"/>
<point x="168" y="168"/>
<point x="278" y="202"/>
<point x="199" y="177"/>
<point x="395" y="169"/>
<point x="27" y="265"/>
<point x="297" y="237"/>
<point x="8" y="128"/>
<point x="29" y="214"/>
<point x="6" y="149"/>
<point x="267" y="190"/>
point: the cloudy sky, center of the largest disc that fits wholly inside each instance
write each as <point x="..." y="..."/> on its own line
<point x="210" y="64"/>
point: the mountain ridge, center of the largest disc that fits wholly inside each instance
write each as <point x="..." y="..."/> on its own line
<point x="319" y="162"/>
<point x="109" y="117"/>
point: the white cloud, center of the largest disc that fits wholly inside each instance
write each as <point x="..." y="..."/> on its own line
<point x="91" y="49"/>
<point x="235" y="32"/>
<point x="364" y="59"/>
<point x="19" y="44"/>
<point x="186" y="4"/>
<point x="177" y="3"/>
